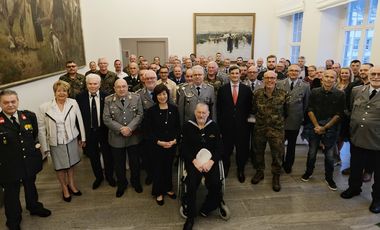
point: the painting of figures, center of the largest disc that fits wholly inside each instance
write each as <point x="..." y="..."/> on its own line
<point x="37" y="37"/>
<point x="230" y="34"/>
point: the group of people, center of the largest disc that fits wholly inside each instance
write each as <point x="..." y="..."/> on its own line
<point x="152" y="112"/>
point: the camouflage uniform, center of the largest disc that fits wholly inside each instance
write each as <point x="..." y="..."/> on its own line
<point x="77" y="85"/>
<point x="107" y="82"/>
<point x="270" y="119"/>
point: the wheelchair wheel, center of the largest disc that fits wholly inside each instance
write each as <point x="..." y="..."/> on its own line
<point x="183" y="213"/>
<point x="224" y="211"/>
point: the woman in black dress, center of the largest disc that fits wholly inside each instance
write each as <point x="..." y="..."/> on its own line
<point x="162" y="130"/>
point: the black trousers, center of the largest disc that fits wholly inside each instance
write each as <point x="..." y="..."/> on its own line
<point x="213" y="185"/>
<point x="252" y="147"/>
<point x="96" y="144"/>
<point x="359" y="157"/>
<point x="162" y="170"/>
<point x="120" y="158"/>
<point x="146" y="149"/>
<point x="291" y="137"/>
<point x="12" y="203"/>
<point x="241" y="142"/>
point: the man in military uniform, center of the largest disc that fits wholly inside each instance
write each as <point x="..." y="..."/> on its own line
<point x="20" y="159"/>
<point x="214" y="77"/>
<point x="133" y="79"/>
<point x="191" y="94"/>
<point x="299" y="93"/>
<point x="146" y="95"/>
<point x="76" y="80"/>
<point x="365" y="138"/>
<point x="269" y="104"/>
<point x="108" y="77"/>
<point x="123" y="113"/>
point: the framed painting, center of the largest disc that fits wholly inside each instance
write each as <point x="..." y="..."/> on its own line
<point x="37" y="37"/>
<point x="231" y="34"/>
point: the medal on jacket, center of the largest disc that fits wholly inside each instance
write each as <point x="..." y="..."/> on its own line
<point x="4" y="140"/>
<point x="2" y="120"/>
<point x="23" y="116"/>
<point x="28" y="127"/>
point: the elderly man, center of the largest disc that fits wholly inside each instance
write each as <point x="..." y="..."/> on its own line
<point x="250" y="63"/>
<point x="326" y="107"/>
<point x="336" y="67"/>
<point x="269" y="107"/>
<point x="365" y="139"/>
<point x="226" y="65"/>
<point x="118" y="70"/>
<point x="132" y="59"/>
<point x="91" y="104"/>
<point x="299" y="93"/>
<point x="280" y="69"/>
<point x="188" y="76"/>
<point x="260" y="65"/>
<point x="177" y="75"/>
<point x="234" y="103"/>
<point x="20" y="159"/>
<point x="146" y="95"/>
<point x="123" y="113"/>
<point x="191" y="94"/>
<point x="76" y="80"/>
<point x="108" y="77"/>
<point x="301" y="64"/>
<point x="214" y="77"/>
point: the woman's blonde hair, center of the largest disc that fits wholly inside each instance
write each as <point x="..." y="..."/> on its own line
<point x="63" y="84"/>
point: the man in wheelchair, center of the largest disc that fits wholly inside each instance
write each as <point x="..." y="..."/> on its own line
<point x="201" y="153"/>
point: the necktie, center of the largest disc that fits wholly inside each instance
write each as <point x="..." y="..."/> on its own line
<point x="94" y="113"/>
<point x="14" y="122"/>
<point x="122" y="101"/>
<point x="234" y="94"/>
<point x="292" y="85"/>
<point x="253" y="86"/>
<point x="151" y="95"/>
<point x="199" y="90"/>
<point x="373" y="93"/>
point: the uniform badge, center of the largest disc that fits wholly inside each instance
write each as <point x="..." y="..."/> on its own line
<point x="4" y="140"/>
<point x="2" y="120"/>
<point x="28" y="127"/>
<point x="23" y="116"/>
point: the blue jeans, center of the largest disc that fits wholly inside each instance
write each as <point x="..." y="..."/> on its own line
<point x="329" y="140"/>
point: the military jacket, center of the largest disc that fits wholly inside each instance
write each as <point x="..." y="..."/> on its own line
<point x="270" y="112"/>
<point x="77" y="85"/>
<point x="116" y="115"/>
<point x="107" y="82"/>
<point x="20" y="156"/>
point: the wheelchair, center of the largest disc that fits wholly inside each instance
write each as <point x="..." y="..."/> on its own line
<point x="223" y="210"/>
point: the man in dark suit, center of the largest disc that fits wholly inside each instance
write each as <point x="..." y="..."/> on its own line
<point x="301" y="63"/>
<point x="20" y="159"/>
<point x="365" y="139"/>
<point x="91" y="104"/>
<point x="233" y="107"/>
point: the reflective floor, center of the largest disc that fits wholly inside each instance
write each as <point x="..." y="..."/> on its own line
<point x="299" y="205"/>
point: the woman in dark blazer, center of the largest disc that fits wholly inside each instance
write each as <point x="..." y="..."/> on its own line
<point x="162" y="130"/>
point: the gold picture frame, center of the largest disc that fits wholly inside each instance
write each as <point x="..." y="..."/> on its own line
<point x="231" y="34"/>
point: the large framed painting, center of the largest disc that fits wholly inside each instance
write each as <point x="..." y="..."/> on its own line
<point x="37" y="37"/>
<point x="231" y="34"/>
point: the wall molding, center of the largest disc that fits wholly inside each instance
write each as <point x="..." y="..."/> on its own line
<point x="289" y="7"/>
<point x="327" y="4"/>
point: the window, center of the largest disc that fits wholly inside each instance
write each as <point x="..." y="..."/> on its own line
<point x="358" y="30"/>
<point x="296" y="37"/>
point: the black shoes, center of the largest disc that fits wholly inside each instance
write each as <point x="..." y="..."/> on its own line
<point x="111" y="182"/>
<point x="77" y="193"/>
<point x="160" y="202"/>
<point x="346" y="171"/>
<point x="241" y="176"/>
<point x="287" y="169"/>
<point x="276" y="183"/>
<point x="172" y="195"/>
<point x="375" y="206"/>
<point x="67" y="199"/>
<point x="120" y="190"/>
<point x="331" y="184"/>
<point x="305" y="177"/>
<point x="138" y="188"/>
<point x="257" y="177"/>
<point x="96" y="184"/>
<point x="349" y="193"/>
<point x="188" y="224"/>
<point x="41" y="212"/>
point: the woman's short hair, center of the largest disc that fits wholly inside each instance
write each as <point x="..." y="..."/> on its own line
<point x="159" y="89"/>
<point x="63" y="84"/>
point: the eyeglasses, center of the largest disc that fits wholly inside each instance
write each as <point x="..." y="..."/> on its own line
<point x="71" y="66"/>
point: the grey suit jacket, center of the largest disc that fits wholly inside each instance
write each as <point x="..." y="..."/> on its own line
<point x="116" y="116"/>
<point x="188" y="99"/>
<point x="146" y="100"/>
<point x="258" y="85"/>
<point x="365" y="119"/>
<point x="297" y="104"/>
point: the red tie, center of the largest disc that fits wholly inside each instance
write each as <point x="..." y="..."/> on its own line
<point x="234" y="93"/>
